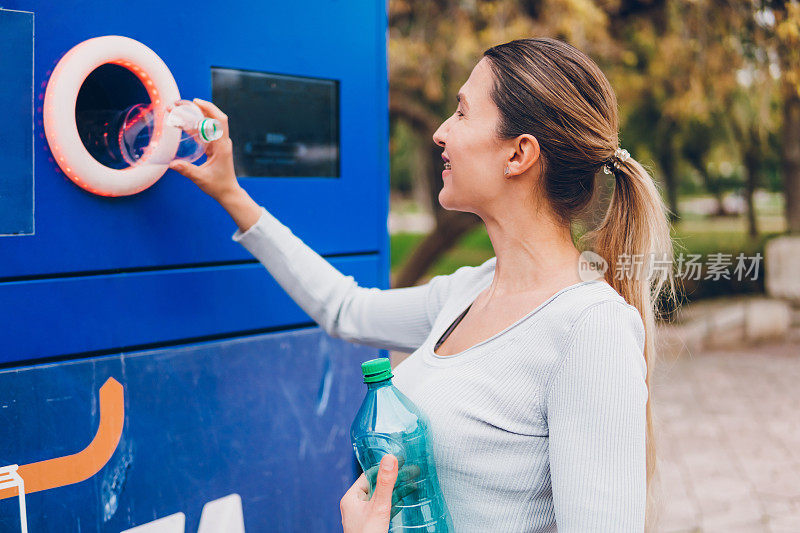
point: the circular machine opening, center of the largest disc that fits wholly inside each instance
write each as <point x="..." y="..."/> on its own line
<point x="106" y="95"/>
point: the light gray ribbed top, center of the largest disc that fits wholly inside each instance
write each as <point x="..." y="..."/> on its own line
<point x="542" y="424"/>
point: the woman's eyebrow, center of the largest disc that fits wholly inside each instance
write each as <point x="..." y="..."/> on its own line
<point x="460" y="96"/>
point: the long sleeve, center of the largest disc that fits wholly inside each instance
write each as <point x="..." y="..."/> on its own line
<point x="595" y="410"/>
<point x="393" y="319"/>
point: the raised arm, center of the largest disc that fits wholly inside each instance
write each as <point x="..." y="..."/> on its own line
<point x="398" y="319"/>
<point x="394" y="319"/>
<point x="595" y="409"/>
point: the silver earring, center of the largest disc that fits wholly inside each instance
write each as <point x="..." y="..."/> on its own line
<point x="505" y="173"/>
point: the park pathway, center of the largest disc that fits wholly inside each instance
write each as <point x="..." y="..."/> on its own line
<point x="729" y="440"/>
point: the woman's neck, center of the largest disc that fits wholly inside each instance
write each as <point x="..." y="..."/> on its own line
<point x="533" y="253"/>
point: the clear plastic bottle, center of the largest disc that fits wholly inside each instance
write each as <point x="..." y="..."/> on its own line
<point x="144" y="126"/>
<point x="388" y="422"/>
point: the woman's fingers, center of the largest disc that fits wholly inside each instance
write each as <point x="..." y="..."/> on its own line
<point x="223" y="143"/>
<point x="356" y="492"/>
<point x="404" y="486"/>
<point x="407" y="472"/>
<point x="372" y="471"/>
<point x="399" y="493"/>
<point x="185" y="168"/>
<point x="403" y="490"/>
<point x="362" y="484"/>
<point x="390" y="485"/>
<point x="210" y="110"/>
<point x="387" y="474"/>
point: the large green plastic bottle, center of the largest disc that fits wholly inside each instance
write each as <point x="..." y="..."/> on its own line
<point x="388" y="422"/>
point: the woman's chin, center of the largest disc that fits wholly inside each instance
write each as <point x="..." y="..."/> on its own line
<point x="445" y="199"/>
<point x="443" y="194"/>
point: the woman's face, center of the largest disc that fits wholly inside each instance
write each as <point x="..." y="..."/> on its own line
<point x="469" y="142"/>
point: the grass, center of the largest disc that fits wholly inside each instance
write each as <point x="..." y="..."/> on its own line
<point x="693" y="234"/>
<point x="724" y="234"/>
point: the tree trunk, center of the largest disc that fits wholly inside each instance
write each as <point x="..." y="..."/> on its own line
<point x="752" y="165"/>
<point x="790" y="158"/>
<point x="665" y="154"/>
<point x="666" y="162"/>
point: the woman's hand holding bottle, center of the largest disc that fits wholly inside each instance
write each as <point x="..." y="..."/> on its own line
<point x="365" y="513"/>
<point x="217" y="177"/>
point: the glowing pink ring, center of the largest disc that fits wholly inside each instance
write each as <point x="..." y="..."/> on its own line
<point x="62" y="130"/>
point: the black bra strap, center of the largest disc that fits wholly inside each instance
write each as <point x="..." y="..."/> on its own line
<point x="451" y="328"/>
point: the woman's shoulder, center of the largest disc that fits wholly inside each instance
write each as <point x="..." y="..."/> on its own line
<point x="594" y="303"/>
<point x="582" y="296"/>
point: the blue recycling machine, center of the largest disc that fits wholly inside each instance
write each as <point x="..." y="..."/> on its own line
<point x="153" y="375"/>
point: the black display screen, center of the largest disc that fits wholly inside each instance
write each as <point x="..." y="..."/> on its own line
<point x="281" y="126"/>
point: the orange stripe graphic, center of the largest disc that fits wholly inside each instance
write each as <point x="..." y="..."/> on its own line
<point x="77" y="467"/>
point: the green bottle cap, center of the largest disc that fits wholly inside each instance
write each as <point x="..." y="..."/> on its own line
<point x="376" y="369"/>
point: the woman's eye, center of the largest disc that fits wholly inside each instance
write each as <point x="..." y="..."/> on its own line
<point x="459" y="113"/>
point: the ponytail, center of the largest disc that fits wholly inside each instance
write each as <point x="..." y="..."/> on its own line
<point x="634" y="238"/>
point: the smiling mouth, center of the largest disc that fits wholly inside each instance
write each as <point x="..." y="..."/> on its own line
<point x="447" y="165"/>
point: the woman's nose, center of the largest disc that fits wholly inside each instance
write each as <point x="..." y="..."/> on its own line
<point x="438" y="136"/>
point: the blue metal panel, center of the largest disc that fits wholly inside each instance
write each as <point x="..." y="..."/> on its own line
<point x="16" y="135"/>
<point x="265" y="417"/>
<point x="173" y="223"/>
<point x="382" y="169"/>
<point x="173" y="226"/>
<point x="45" y="318"/>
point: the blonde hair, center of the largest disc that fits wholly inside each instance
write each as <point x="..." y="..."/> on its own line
<point x="555" y="92"/>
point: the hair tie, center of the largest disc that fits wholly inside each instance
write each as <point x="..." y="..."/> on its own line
<point x="620" y="156"/>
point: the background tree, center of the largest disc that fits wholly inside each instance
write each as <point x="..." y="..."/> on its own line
<point x="781" y="20"/>
<point x="695" y="80"/>
<point x="433" y="47"/>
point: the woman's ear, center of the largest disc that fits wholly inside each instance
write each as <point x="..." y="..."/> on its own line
<point x="526" y="155"/>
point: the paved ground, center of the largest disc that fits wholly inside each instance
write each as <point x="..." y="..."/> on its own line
<point x="730" y="441"/>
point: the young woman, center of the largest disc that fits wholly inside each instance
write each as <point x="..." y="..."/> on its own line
<point x="535" y="379"/>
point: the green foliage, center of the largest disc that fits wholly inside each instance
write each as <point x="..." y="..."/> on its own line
<point x="699" y="85"/>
